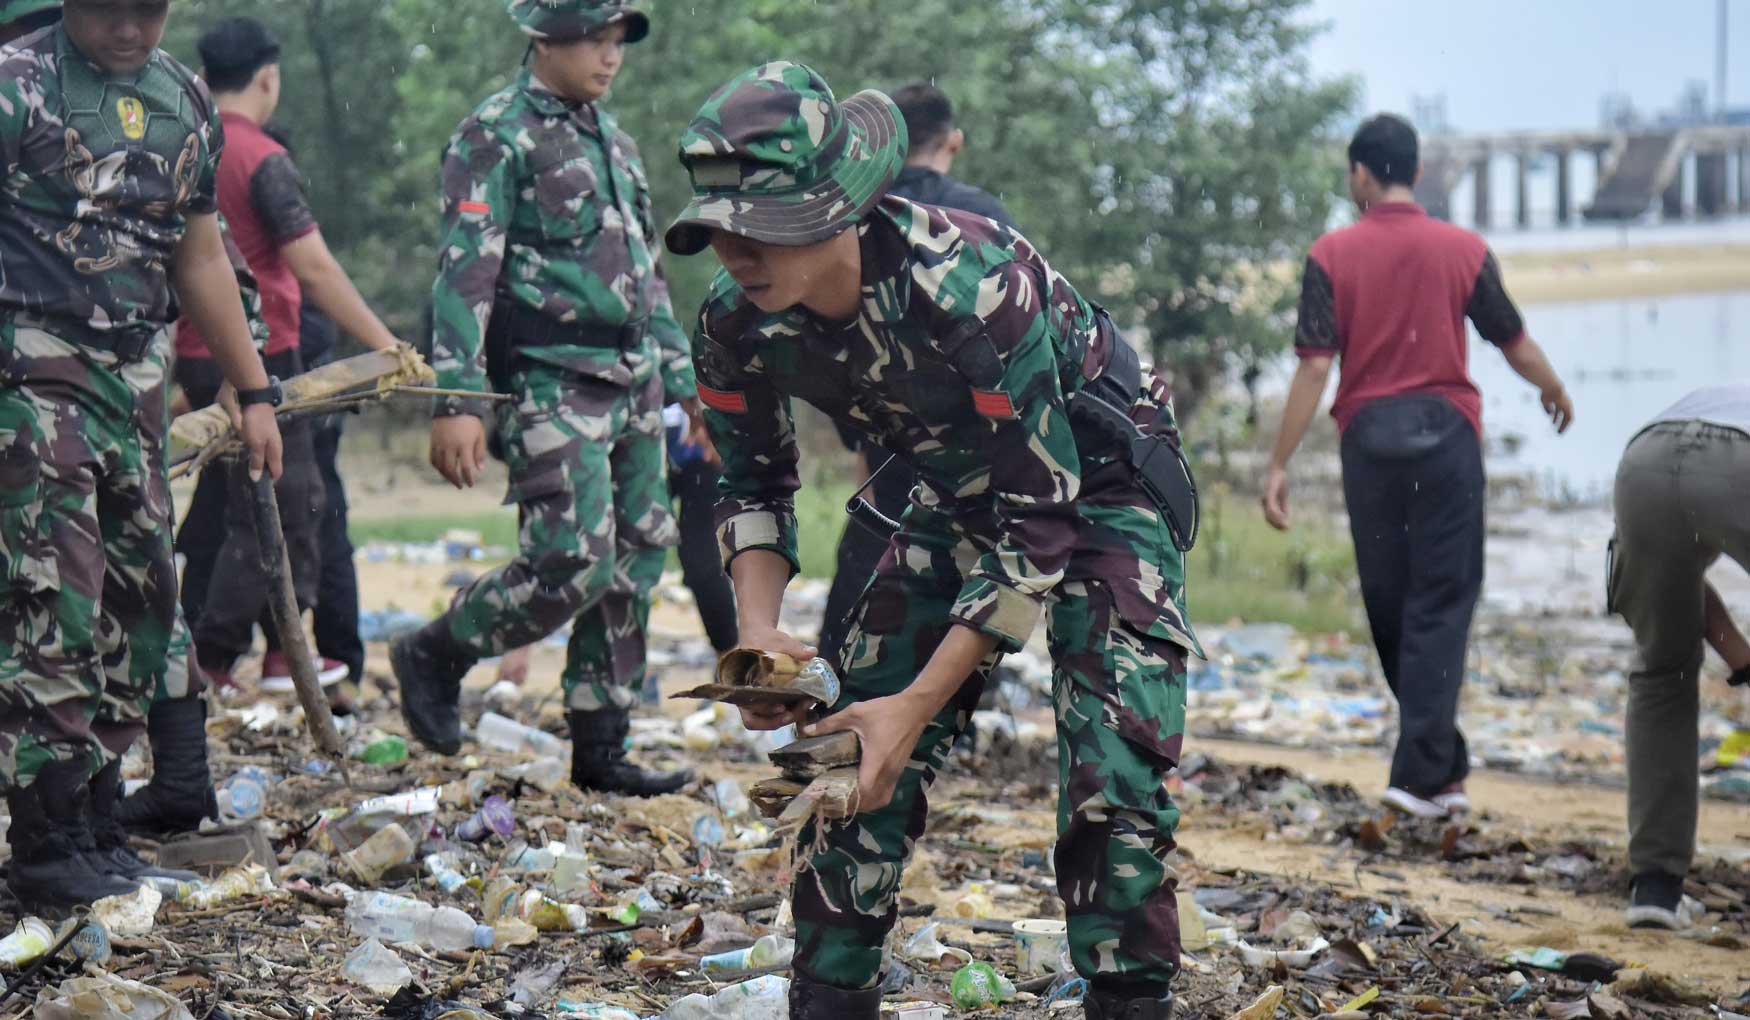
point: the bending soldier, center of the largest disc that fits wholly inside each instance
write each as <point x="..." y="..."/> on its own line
<point x="948" y="339"/>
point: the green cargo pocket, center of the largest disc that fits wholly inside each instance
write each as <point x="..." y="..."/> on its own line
<point x="1144" y="678"/>
<point x="27" y="560"/>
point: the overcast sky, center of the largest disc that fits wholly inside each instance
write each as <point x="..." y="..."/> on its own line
<point x="1529" y="64"/>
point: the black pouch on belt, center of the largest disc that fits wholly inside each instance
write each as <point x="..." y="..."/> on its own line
<point x="1158" y="463"/>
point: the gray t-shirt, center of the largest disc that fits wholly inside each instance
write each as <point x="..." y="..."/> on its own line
<point x="1727" y="405"/>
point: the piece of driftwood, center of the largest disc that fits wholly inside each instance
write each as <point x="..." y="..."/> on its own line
<point x="811" y="757"/>
<point x="379" y="372"/>
<point x="282" y="604"/>
<point x="771" y="796"/>
<point x="832" y="796"/>
<point x="747" y="676"/>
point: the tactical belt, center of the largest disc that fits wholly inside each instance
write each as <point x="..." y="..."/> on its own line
<point x="1100" y="414"/>
<point x="522" y="327"/>
<point x="128" y="343"/>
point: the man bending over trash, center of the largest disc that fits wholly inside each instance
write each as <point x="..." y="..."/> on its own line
<point x="1049" y="484"/>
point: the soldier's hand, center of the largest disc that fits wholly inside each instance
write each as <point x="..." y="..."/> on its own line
<point x="1276" y="498"/>
<point x="889" y="729"/>
<point x="697" y="434"/>
<point x="775" y="717"/>
<point x="458" y="449"/>
<point x="261" y="436"/>
<point x="227" y="399"/>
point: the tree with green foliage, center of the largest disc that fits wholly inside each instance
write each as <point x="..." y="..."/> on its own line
<point x="1170" y="155"/>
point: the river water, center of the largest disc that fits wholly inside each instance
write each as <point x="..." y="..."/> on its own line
<point x="1623" y="362"/>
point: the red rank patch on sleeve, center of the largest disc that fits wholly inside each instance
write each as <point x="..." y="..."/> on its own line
<point x="727" y="401"/>
<point x="993" y="404"/>
<point x="474" y="208"/>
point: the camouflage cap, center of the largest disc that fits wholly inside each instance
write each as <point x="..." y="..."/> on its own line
<point x="567" y="20"/>
<point x="12" y="10"/>
<point x="774" y="157"/>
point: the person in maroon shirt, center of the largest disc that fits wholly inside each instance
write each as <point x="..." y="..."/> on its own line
<point x="1388" y="296"/>
<point x="261" y="194"/>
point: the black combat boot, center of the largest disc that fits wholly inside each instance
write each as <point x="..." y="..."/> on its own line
<point x="811" y="1000"/>
<point x="429" y="666"/>
<point x="1108" y="1005"/>
<point x="180" y="793"/>
<point x="598" y="757"/>
<point x="48" y="872"/>
<point x="110" y="840"/>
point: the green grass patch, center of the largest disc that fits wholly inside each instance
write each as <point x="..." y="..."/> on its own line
<point x="1241" y="569"/>
<point x="496" y="527"/>
<point x="1244" y="569"/>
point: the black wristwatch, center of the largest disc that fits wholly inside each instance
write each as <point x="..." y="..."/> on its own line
<point x="271" y="394"/>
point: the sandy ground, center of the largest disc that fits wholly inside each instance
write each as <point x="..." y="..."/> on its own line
<point x="1509" y="803"/>
<point x="1546" y="277"/>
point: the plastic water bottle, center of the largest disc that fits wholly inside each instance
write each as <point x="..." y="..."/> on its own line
<point x="731" y="799"/>
<point x="31" y="940"/>
<point x="763" y="998"/>
<point x="243" y="796"/>
<point x="391" y="918"/>
<point x="503" y="734"/>
<point x="769" y="951"/>
<point x="443" y="873"/>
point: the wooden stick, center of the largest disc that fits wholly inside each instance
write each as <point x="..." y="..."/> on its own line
<point x="282" y="603"/>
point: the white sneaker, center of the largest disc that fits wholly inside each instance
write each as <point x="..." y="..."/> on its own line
<point x="276" y="672"/>
<point x="1657" y="901"/>
<point x="1410" y="804"/>
<point x="1454" y="800"/>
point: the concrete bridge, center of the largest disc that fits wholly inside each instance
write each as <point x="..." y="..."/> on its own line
<point x="1701" y="171"/>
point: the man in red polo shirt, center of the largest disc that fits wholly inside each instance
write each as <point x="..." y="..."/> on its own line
<point x="261" y="195"/>
<point x="1389" y="296"/>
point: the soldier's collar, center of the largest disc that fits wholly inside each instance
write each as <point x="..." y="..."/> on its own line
<point x="545" y="101"/>
<point x="886" y="292"/>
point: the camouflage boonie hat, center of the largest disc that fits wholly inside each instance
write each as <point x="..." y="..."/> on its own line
<point x="12" y="10"/>
<point x="774" y="157"/>
<point x="568" y="20"/>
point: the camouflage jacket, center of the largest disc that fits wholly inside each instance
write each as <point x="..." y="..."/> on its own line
<point x="101" y="174"/>
<point x="961" y="359"/>
<point x="546" y="201"/>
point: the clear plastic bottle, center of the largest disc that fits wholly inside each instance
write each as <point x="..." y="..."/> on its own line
<point x="763" y="998"/>
<point x="391" y="918"/>
<point x="769" y="951"/>
<point x="244" y="795"/>
<point x="31" y="940"/>
<point x="505" y="734"/>
<point x="443" y="872"/>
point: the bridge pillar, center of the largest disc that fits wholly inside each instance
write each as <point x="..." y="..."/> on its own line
<point x="1522" y="190"/>
<point x="1480" y="193"/>
<point x="1564" y="189"/>
<point x="1672" y="201"/>
<point x="1710" y="184"/>
<point x="1744" y="179"/>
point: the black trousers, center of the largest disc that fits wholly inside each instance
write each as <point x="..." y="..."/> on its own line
<point x="335" y="621"/>
<point x="224" y="591"/>
<point x="695" y="487"/>
<point x="1413" y="480"/>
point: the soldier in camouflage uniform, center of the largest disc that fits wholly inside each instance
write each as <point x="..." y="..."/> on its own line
<point x="180" y="794"/>
<point x="108" y="198"/>
<point x="947" y="339"/>
<point x="549" y="290"/>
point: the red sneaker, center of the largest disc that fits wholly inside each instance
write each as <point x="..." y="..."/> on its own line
<point x="276" y="672"/>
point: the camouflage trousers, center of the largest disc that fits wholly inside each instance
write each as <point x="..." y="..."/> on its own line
<point x="1119" y="695"/>
<point x="88" y="605"/>
<point x="590" y="483"/>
